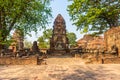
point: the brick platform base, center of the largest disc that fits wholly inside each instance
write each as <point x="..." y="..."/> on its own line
<point x="18" y="61"/>
<point x="115" y="60"/>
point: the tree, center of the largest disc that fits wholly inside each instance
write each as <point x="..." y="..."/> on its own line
<point x="28" y="15"/>
<point x="95" y="15"/>
<point x="27" y="44"/>
<point x="44" y="40"/>
<point x="47" y="33"/>
<point x="72" y="37"/>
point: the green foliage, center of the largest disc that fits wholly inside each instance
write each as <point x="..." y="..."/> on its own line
<point x="27" y="44"/>
<point x="72" y="37"/>
<point x="47" y="33"/>
<point x="27" y="15"/>
<point x="44" y="40"/>
<point x="43" y="43"/>
<point x="95" y="15"/>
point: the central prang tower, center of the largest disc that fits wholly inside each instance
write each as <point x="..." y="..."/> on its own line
<point x="59" y="42"/>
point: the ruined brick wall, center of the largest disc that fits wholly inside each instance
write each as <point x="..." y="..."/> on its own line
<point x="111" y="61"/>
<point x="91" y="42"/>
<point x="18" y="38"/>
<point x="96" y="43"/>
<point x="112" y="37"/>
<point x="83" y="41"/>
<point x="18" y="61"/>
<point x="88" y="37"/>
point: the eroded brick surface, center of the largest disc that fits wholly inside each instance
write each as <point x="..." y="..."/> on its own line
<point x="112" y="37"/>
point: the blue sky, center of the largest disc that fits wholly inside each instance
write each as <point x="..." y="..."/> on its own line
<point x="59" y="7"/>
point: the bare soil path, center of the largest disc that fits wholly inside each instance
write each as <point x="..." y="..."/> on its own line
<point x="63" y="60"/>
<point x="61" y="68"/>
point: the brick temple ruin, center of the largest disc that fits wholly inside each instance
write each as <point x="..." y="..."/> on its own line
<point x="112" y="37"/>
<point x="18" y="39"/>
<point x="91" y="42"/>
<point x="59" y="42"/>
<point x="98" y="49"/>
<point x="17" y="54"/>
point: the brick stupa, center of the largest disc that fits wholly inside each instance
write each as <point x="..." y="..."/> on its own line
<point x="59" y="42"/>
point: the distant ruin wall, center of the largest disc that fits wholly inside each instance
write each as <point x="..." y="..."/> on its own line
<point x="18" y="61"/>
<point x="111" y="61"/>
<point x="112" y="37"/>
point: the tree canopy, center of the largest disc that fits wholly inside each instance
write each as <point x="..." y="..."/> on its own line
<point x="72" y="37"/>
<point x="28" y="15"/>
<point x="44" y="40"/>
<point x="95" y="15"/>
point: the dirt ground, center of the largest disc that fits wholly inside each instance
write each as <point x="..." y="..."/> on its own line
<point x="61" y="68"/>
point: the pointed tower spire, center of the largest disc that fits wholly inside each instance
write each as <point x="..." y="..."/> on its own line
<point x="59" y="42"/>
<point x="59" y="19"/>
